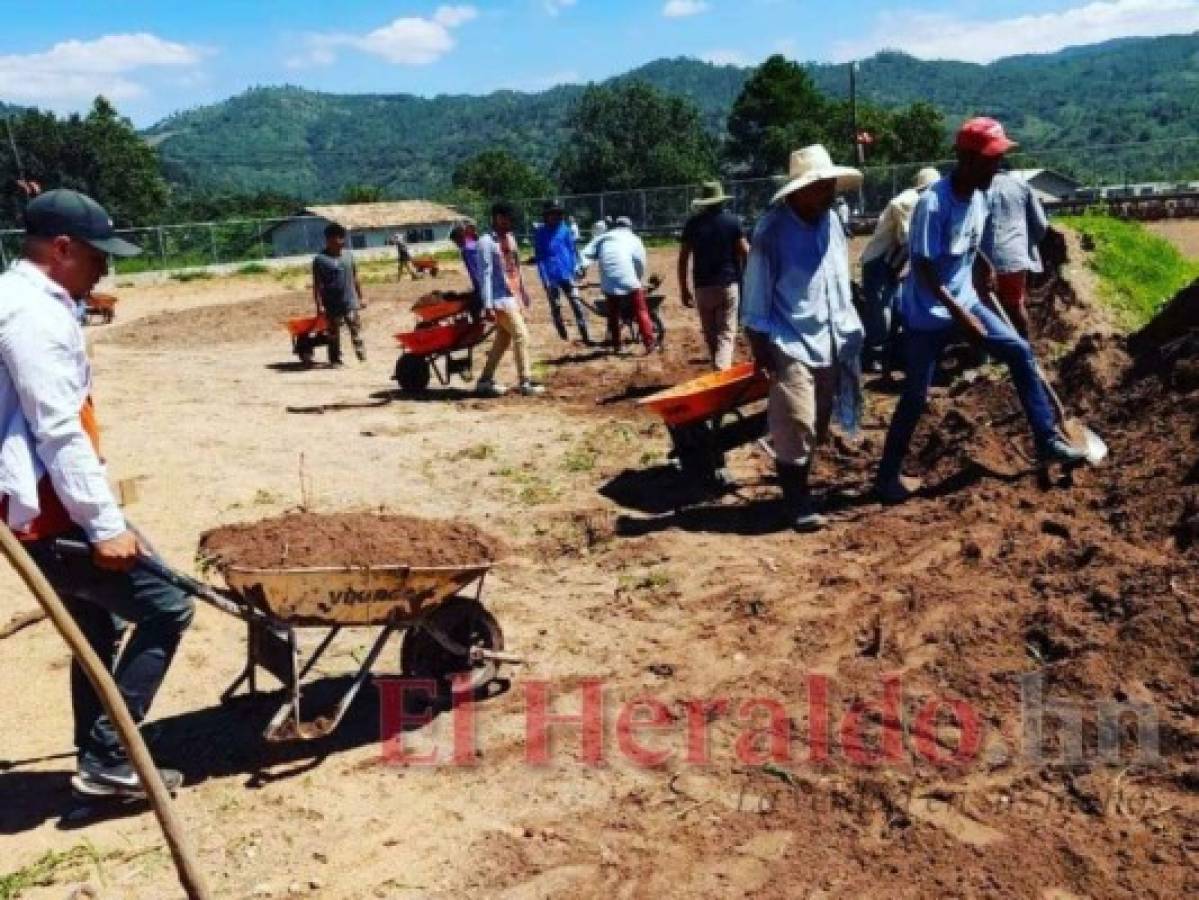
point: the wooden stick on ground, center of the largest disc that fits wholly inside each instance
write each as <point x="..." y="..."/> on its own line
<point x="21" y="621"/>
<point x="190" y="877"/>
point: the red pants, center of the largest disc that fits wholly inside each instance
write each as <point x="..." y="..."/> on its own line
<point x="640" y="313"/>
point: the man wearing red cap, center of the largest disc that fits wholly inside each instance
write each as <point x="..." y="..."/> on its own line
<point x="941" y="296"/>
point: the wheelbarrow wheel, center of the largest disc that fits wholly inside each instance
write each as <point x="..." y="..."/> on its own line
<point x="412" y="373"/>
<point x="468" y="624"/>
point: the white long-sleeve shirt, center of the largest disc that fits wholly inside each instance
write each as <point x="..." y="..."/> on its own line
<point x="622" y="260"/>
<point x="45" y="379"/>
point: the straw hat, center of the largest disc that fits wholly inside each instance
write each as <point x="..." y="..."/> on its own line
<point x="812" y="164"/>
<point x="711" y="194"/>
<point x="926" y="178"/>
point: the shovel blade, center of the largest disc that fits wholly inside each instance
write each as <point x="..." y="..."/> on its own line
<point x="1085" y="439"/>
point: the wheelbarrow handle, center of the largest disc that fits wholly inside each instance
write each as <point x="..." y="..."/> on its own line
<point x="163" y="572"/>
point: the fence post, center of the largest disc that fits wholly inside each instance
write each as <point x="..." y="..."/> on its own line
<point x="162" y="249"/>
<point x="261" y="245"/>
<point x="644" y="217"/>
<point x="212" y="240"/>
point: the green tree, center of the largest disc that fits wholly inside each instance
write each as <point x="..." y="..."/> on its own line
<point x="498" y="175"/>
<point x="101" y="155"/>
<point x="362" y="193"/>
<point x="779" y="109"/>
<point x="633" y="135"/>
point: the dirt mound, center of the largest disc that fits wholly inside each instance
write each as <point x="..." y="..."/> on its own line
<point x="347" y="539"/>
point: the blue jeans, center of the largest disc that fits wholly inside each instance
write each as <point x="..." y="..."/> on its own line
<point x="101" y="602"/>
<point x="879" y="287"/>
<point x="922" y="351"/>
<point x="554" y="291"/>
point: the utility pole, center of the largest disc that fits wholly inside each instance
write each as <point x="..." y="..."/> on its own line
<point x="858" y="149"/>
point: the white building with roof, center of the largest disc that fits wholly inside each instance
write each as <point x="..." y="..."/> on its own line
<point x="424" y="226"/>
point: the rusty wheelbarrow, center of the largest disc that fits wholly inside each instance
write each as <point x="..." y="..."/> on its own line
<point x="447" y="331"/>
<point x="705" y="419"/>
<point x="449" y="636"/>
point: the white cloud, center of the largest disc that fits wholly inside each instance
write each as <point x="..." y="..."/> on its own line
<point x="677" y="9"/>
<point x="407" y="41"/>
<point x="554" y="7"/>
<point x="937" y="36"/>
<point x="75" y="71"/>
<point x="726" y="58"/>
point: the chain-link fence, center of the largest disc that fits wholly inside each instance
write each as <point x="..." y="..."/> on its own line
<point x="1149" y="169"/>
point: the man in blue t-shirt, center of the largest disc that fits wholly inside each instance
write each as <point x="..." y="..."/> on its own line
<point x="557" y="258"/>
<point x="940" y="298"/>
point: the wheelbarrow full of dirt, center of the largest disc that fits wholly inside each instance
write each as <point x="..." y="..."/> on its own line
<point x="448" y="635"/>
<point x="706" y="418"/>
<point x="448" y="329"/>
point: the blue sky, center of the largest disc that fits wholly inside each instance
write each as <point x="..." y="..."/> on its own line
<point x="154" y="57"/>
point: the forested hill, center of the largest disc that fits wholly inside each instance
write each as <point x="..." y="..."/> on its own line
<point x="312" y="144"/>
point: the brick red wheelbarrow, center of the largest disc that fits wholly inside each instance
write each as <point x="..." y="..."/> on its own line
<point x="449" y="636"/>
<point x="448" y="329"/>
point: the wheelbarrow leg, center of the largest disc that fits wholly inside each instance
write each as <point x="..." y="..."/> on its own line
<point x="363" y="673"/>
<point x="249" y="671"/>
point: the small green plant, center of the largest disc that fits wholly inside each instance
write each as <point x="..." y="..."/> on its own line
<point x="265" y="498"/>
<point x="253" y="269"/>
<point x="580" y="459"/>
<point x="51" y="867"/>
<point x="654" y="580"/>
<point x="184" y="277"/>
<point x="476" y="452"/>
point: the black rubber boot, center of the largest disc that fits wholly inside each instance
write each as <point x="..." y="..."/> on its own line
<point x="797" y="497"/>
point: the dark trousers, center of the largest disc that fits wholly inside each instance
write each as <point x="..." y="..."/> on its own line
<point x="922" y="352"/>
<point x="102" y="602"/>
<point x="640" y="314"/>
<point x="880" y="285"/>
<point x="553" y="292"/>
<point x="350" y="320"/>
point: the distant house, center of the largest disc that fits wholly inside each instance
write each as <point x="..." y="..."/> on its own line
<point x="1048" y="185"/>
<point x="424" y="226"/>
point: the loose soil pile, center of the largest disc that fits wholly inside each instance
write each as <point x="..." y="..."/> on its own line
<point x="301" y="540"/>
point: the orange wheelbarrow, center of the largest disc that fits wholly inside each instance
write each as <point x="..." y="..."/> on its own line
<point x="307" y="333"/>
<point x="705" y="419"/>
<point x="448" y="329"/>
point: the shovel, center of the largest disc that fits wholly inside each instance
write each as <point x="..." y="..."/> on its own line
<point x="1076" y="431"/>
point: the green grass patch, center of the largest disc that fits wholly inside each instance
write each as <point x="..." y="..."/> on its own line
<point x="1139" y="271"/>
<point x="475" y="451"/>
<point x="185" y="277"/>
<point x="253" y="269"/>
<point x="53" y="866"/>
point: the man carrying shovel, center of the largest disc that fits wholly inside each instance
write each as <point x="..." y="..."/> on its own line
<point x="801" y="323"/>
<point x="53" y="484"/>
<point x="940" y="295"/>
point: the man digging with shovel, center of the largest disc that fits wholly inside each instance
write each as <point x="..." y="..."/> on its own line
<point x="941" y="294"/>
<point x="53" y="484"/>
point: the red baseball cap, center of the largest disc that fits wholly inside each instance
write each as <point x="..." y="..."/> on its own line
<point x="984" y="136"/>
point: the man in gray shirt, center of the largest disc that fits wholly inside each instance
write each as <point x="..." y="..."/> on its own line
<point x="1014" y="230"/>
<point x="337" y="293"/>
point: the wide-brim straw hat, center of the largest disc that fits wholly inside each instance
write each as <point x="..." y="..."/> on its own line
<point x="712" y="194"/>
<point x="926" y="178"/>
<point x="812" y="164"/>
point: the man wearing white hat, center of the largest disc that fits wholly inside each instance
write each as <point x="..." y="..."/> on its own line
<point x="882" y="261"/>
<point x="800" y="320"/>
<point x="714" y="240"/>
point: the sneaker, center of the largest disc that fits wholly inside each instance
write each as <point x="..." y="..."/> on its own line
<point x="807" y="517"/>
<point x="897" y="491"/>
<point x="490" y="388"/>
<point x="118" y="780"/>
<point x="531" y="389"/>
<point x="1061" y="451"/>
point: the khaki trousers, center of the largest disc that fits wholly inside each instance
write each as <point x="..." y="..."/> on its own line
<point x="717" y="308"/>
<point x="510" y="331"/>
<point x="799" y="408"/>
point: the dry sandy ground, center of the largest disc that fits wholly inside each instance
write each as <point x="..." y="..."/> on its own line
<point x="702" y="602"/>
<point x="1182" y="233"/>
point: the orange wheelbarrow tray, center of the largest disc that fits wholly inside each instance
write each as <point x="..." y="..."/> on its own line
<point x="443" y="350"/>
<point x="307" y="333"/>
<point x="102" y="307"/>
<point x="705" y="421"/>
<point x="709" y="395"/>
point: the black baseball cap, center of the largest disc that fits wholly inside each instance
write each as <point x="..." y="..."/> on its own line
<point x="70" y="213"/>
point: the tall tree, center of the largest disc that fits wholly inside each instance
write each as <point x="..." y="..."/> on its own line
<point x="779" y="109"/>
<point x="633" y="135"/>
<point x="101" y="155"/>
<point x="498" y="175"/>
